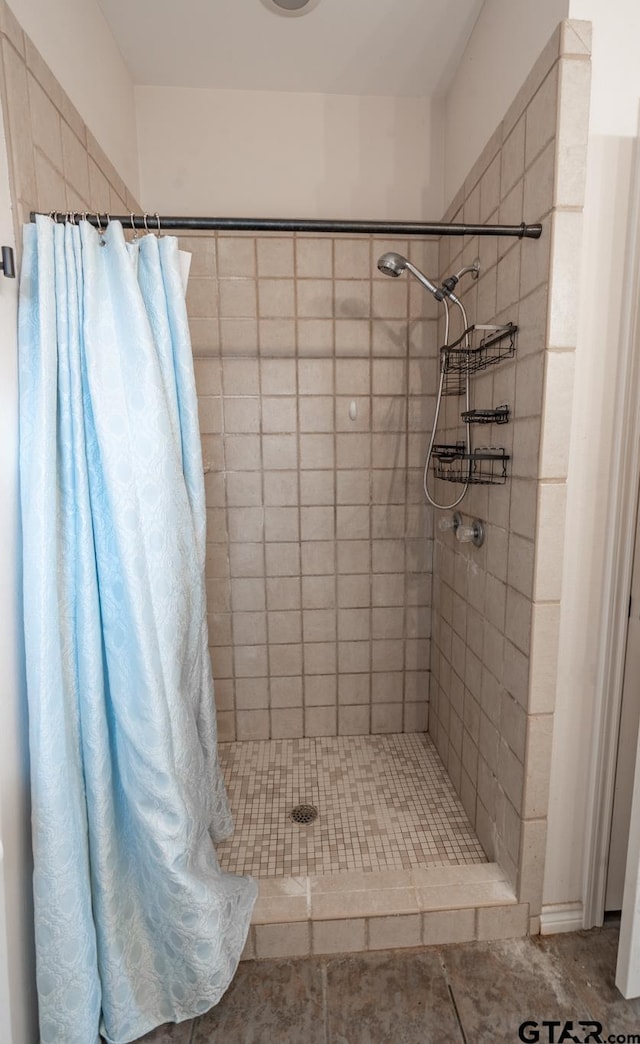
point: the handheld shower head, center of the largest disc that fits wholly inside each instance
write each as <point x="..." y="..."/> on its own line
<point x="393" y="264"/>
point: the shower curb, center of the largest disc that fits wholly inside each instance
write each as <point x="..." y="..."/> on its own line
<point x="356" y="912"/>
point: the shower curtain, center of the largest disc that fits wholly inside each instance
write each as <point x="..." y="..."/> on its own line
<point x="136" y="925"/>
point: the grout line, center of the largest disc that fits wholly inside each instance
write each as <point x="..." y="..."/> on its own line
<point x="445" y="973"/>
<point x="325" y="1006"/>
<point x="455" y="1008"/>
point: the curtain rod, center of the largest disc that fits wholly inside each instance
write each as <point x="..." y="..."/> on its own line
<point x="153" y="223"/>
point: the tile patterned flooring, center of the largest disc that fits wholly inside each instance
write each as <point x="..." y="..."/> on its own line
<point x="462" y="994"/>
<point x="385" y="803"/>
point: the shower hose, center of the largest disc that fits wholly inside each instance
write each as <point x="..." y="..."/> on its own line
<point x="444" y="357"/>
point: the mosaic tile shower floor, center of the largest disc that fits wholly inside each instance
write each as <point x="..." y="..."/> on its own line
<point x="385" y="803"/>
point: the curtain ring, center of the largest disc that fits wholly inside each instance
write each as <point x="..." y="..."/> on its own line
<point x="133" y="227"/>
<point x="100" y="230"/>
<point x="158" y="220"/>
<point x="146" y="227"/>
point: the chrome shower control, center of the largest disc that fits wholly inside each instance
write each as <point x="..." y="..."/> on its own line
<point x="453" y="522"/>
<point x="473" y="534"/>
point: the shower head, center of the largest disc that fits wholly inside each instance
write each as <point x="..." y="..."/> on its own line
<point x="393" y="264"/>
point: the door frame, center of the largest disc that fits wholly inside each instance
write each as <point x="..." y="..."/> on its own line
<point x="618" y="568"/>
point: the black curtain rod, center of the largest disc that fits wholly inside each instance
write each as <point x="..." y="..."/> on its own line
<point x="153" y="223"/>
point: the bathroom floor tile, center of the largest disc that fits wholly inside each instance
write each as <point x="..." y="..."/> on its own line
<point x="390" y="999"/>
<point x="498" y="985"/>
<point x="592" y="971"/>
<point x="476" y="993"/>
<point x="269" y="1001"/>
<point x="384" y="803"/>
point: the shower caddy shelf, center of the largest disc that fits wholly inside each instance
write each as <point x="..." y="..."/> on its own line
<point x="499" y="415"/>
<point x="488" y="345"/>
<point x="485" y="466"/>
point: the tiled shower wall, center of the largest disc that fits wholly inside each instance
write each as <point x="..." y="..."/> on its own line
<point x="55" y="163"/>
<point x="316" y="379"/>
<point x="496" y="608"/>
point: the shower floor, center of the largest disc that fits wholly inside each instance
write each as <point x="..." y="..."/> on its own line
<point x="384" y="803"/>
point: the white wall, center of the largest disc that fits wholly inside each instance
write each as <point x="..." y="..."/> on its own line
<point x="76" y="42"/>
<point x="276" y="154"/>
<point x="17" y="978"/>
<point x="506" y="41"/>
<point x="613" y="126"/>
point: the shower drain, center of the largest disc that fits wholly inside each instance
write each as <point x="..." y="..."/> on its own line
<point x="304" y="814"/>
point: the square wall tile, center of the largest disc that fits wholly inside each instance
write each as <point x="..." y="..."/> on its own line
<point x="320" y="691"/>
<point x="352" y="258"/>
<point x="253" y="725"/>
<point x="395" y="932"/>
<point x="448" y="926"/>
<point x="556" y="420"/>
<point x="573" y="131"/>
<point x="283" y="940"/>
<point x="236" y="256"/>
<point x="287" y="724"/>
<point x="319" y="625"/>
<point x="503" y="922"/>
<point x="532" y="858"/>
<point x="315" y="376"/>
<point x="275" y="256"/>
<point x="538" y="765"/>
<point x="286" y="692"/>
<point x="344" y="936"/>
<point x="552" y="498"/>
<point x="545" y="628"/>
<point x="353" y="377"/>
<point x="314" y="258"/>
<point x="386" y="717"/>
<point x="278" y="376"/>
<point x="320" y="657"/>
<point x="566" y="246"/>
<point x="354" y="720"/>
<point x="320" y="721"/>
<point x="542" y="116"/>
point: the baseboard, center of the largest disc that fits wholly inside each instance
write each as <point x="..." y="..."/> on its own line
<point x="561" y="917"/>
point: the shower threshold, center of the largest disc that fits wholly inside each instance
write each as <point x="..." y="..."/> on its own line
<point x="390" y="860"/>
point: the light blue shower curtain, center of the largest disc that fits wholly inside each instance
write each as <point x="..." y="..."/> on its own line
<point x="136" y="924"/>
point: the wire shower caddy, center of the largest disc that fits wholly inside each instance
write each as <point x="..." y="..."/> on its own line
<point x="479" y="347"/>
<point x="476" y="349"/>
<point x="485" y="466"/>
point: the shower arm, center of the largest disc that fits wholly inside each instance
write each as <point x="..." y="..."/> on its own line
<point x="426" y="282"/>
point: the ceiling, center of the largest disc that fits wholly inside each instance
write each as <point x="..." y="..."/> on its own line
<point x="395" y="48"/>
